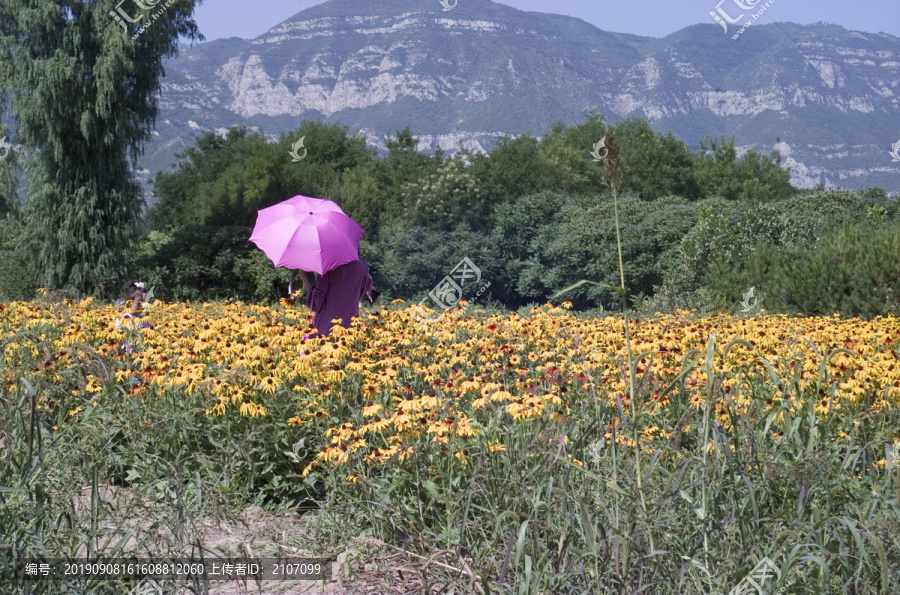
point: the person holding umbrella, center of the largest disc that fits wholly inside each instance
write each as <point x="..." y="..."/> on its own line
<point x="135" y="295"/>
<point x="311" y="234"/>
<point x="336" y="294"/>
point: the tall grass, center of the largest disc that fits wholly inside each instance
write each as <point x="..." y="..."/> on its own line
<point x="592" y="506"/>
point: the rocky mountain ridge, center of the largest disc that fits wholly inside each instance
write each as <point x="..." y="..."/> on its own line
<point x="827" y="98"/>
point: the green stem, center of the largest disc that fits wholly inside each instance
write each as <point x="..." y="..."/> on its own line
<point x="624" y="299"/>
<point x="631" y="370"/>
<point x="703" y="487"/>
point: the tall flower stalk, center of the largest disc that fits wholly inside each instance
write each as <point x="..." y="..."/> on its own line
<point x="616" y="172"/>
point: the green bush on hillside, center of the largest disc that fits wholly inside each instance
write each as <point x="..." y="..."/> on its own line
<point x="197" y="262"/>
<point x="728" y="232"/>
<point x="408" y="261"/>
<point x="853" y="271"/>
<point x="582" y="245"/>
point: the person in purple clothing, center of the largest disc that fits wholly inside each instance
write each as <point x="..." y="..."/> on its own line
<point x="336" y="294"/>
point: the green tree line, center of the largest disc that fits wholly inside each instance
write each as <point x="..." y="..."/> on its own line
<point x="699" y="227"/>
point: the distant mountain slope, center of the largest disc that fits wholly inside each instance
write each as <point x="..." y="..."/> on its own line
<point x="827" y="98"/>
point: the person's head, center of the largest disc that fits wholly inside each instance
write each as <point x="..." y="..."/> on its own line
<point x="135" y="294"/>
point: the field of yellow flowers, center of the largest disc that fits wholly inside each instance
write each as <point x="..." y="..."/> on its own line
<point x="541" y="449"/>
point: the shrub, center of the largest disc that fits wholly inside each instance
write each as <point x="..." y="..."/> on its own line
<point x="18" y="278"/>
<point x="409" y="261"/>
<point x="445" y="198"/>
<point x="517" y="226"/>
<point x="728" y="233"/>
<point x="582" y="245"/>
<point x="197" y="262"/>
<point x="853" y="271"/>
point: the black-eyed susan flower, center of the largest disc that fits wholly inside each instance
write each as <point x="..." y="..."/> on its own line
<point x="269" y="384"/>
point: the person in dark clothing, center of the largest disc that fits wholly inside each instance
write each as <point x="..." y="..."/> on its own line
<point x="135" y="295"/>
<point x="336" y="294"/>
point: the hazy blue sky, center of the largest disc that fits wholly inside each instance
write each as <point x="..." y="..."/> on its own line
<point x="657" y="18"/>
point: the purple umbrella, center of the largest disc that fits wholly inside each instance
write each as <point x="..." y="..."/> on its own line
<point x="307" y="233"/>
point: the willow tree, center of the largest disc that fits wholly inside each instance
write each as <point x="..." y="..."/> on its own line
<point x="7" y="155"/>
<point x="83" y="77"/>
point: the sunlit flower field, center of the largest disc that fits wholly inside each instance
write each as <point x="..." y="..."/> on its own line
<point x="410" y="384"/>
<point x="443" y="398"/>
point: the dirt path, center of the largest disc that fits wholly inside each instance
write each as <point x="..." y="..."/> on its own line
<point x="367" y="566"/>
<point x="362" y="566"/>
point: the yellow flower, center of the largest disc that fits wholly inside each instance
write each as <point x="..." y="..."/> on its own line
<point x="371" y="409"/>
<point x="558" y="416"/>
<point x="252" y="409"/>
<point x="410" y="405"/>
<point x="526" y="408"/>
<point x="495" y="447"/>
<point x="429" y="402"/>
<point x="463" y="427"/>
<point x="269" y="384"/>
<point x="502" y="395"/>
<point x="93" y="385"/>
<point x="480" y="403"/>
<point x="401" y="421"/>
<point x="472" y="385"/>
<point x="553" y="399"/>
<point x="376" y="425"/>
<point x="309" y="467"/>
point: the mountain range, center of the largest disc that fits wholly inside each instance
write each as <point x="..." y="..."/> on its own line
<point x="828" y="99"/>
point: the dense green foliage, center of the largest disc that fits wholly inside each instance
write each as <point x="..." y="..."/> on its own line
<point x="17" y="279"/>
<point x="202" y="262"/>
<point x="226" y="180"/>
<point x="851" y="269"/>
<point x="583" y="245"/>
<point x="728" y="235"/>
<point x="83" y="92"/>
<point x="534" y="214"/>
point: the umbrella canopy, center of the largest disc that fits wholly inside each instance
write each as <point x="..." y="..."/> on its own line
<point x="307" y="233"/>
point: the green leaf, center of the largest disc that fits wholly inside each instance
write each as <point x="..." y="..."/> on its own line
<point x="430" y="487"/>
<point x="697" y="508"/>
